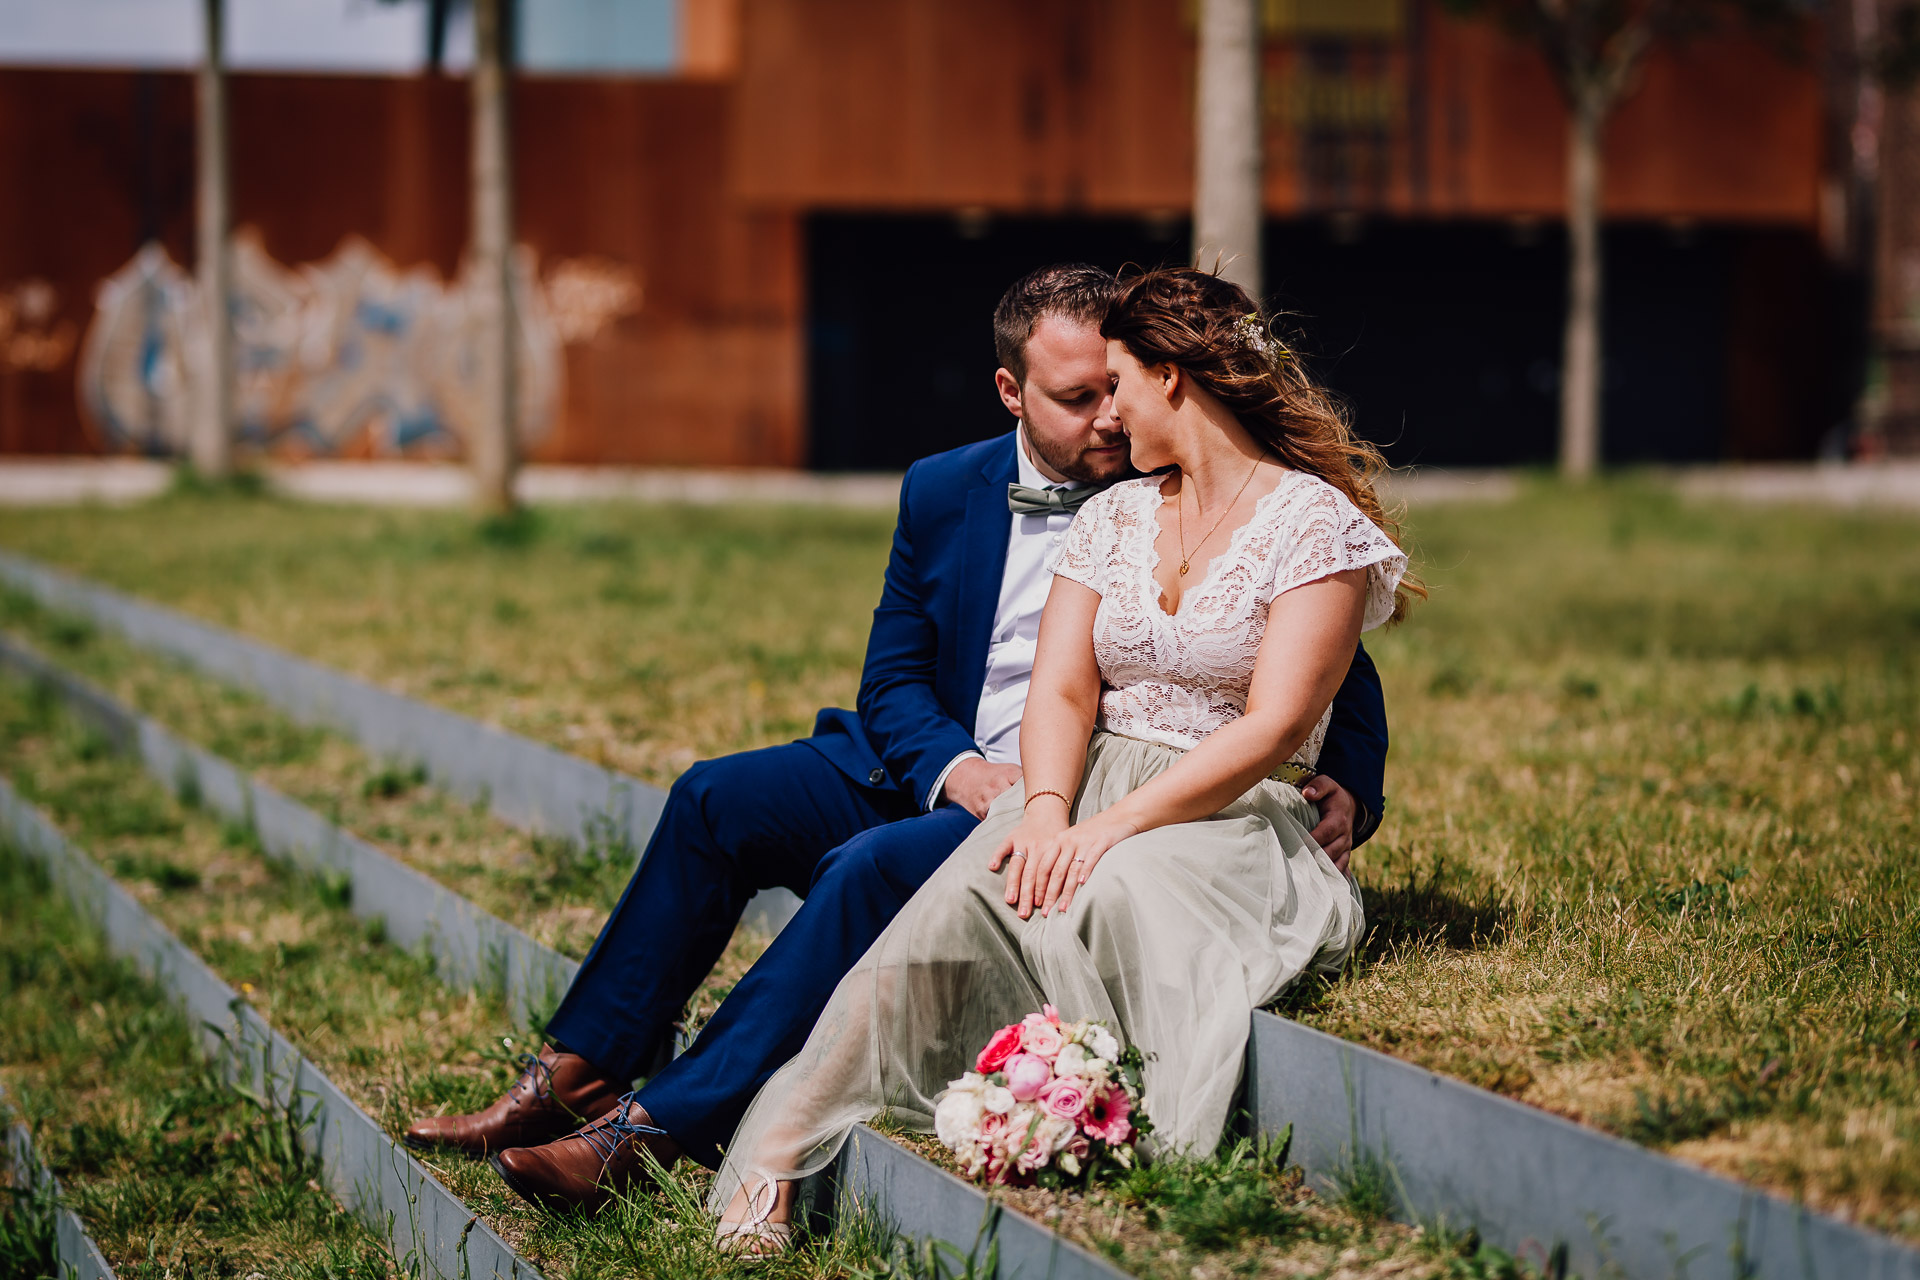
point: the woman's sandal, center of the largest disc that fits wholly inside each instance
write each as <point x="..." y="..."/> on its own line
<point x="754" y="1236"/>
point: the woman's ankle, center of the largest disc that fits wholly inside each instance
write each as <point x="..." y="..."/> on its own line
<point x="751" y="1197"/>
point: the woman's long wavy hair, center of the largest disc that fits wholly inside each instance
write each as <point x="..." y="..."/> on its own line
<point x="1218" y="336"/>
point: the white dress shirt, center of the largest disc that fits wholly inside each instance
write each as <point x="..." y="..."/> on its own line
<point x="1032" y="547"/>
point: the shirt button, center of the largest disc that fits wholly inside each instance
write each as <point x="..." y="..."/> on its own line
<point x="877" y="777"/>
<point x="1056" y="538"/>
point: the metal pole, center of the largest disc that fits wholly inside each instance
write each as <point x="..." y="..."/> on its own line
<point x="1227" y="199"/>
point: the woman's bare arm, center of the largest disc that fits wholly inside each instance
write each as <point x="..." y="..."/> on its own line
<point x="1057" y="723"/>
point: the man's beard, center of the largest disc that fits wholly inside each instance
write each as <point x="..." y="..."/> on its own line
<point x="1077" y="466"/>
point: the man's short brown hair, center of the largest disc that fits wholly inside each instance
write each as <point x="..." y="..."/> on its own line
<point x="1069" y="290"/>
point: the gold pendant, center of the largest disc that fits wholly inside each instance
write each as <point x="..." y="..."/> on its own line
<point x="1183" y="568"/>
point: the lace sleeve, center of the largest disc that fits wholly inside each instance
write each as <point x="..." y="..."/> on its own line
<point x="1326" y="534"/>
<point x="1085" y="554"/>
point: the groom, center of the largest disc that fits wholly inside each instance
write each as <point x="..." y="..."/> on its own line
<point x="857" y="817"/>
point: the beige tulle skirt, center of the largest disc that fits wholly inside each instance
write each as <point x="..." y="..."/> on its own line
<point x="1176" y="937"/>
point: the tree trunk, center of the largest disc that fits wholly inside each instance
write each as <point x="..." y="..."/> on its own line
<point x="491" y="450"/>
<point x="210" y="445"/>
<point x="1890" y="410"/>
<point x="1580" y="369"/>
<point x="1226" y="198"/>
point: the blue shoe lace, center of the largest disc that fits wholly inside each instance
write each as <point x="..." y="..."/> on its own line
<point x="531" y="1067"/>
<point x="608" y="1135"/>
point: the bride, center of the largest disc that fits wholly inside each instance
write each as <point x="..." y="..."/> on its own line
<point x="1154" y="870"/>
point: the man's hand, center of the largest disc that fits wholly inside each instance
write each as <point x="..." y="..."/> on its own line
<point x="1338" y="809"/>
<point x="975" y="784"/>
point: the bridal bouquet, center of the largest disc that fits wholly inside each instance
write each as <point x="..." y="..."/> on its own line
<point x="1044" y="1094"/>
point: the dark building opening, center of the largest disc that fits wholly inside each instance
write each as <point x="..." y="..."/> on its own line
<point x="1444" y="337"/>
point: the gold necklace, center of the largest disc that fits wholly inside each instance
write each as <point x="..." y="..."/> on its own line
<point x="1181" y="510"/>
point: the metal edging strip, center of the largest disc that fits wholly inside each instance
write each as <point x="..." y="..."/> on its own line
<point x="1521" y="1176"/>
<point x="79" y="1255"/>
<point x="1528" y="1179"/>
<point x="472" y="946"/>
<point x="524" y="783"/>
<point x="391" y="1191"/>
<point x="922" y="1200"/>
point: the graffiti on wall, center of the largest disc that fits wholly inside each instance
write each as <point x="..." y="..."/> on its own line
<point x="33" y="337"/>
<point x="347" y="356"/>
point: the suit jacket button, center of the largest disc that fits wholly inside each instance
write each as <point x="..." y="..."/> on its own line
<point x="877" y="777"/>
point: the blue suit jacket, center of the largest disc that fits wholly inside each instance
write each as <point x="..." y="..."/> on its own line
<point x="927" y="655"/>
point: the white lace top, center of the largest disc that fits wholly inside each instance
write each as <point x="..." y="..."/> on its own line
<point x="1174" y="678"/>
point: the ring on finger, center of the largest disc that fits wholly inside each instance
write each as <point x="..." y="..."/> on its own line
<point x="1016" y="854"/>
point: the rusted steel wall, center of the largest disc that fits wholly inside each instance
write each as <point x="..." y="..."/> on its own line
<point x="1085" y="106"/>
<point x="707" y="370"/>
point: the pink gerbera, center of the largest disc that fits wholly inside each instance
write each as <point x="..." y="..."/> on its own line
<point x="1108" y="1115"/>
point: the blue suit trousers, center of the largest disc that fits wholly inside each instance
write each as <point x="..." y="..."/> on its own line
<point x="783" y="816"/>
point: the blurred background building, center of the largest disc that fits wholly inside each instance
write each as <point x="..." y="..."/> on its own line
<point x="770" y="232"/>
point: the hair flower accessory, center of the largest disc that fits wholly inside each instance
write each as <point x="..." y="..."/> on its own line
<point x="1250" y="333"/>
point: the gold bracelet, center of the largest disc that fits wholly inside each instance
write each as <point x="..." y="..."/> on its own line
<point x="1036" y="795"/>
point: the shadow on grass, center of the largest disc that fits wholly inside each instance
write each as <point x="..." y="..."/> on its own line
<point x="1440" y="910"/>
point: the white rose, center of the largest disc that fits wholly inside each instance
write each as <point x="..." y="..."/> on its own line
<point x="997" y="1099"/>
<point x="956" y="1120"/>
<point x="1071" y="1062"/>
<point x="1054" y="1133"/>
<point x="1101" y="1041"/>
<point x="1098" y="1070"/>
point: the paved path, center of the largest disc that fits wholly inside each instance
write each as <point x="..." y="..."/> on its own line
<point x="67" y="481"/>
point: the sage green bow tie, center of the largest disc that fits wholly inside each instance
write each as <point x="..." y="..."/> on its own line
<point x="1024" y="500"/>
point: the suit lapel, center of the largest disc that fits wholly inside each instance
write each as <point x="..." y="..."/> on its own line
<point x="983" y="565"/>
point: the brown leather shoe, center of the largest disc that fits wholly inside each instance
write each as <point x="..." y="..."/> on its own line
<point x="589" y="1167"/>
<point x="555" y="1093"/>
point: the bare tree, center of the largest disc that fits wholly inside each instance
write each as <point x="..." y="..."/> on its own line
<point x="491" y="451"/>
<point x="1227" y="202"/>
<point x="210" y="444"/>
<point x="1596" y="49"/>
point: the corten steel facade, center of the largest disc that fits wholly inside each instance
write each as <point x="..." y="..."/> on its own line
<point x="821" y="210"/>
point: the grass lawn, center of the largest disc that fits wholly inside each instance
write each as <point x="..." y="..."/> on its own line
<point x="168" y="1167"/>
<point x="556" y="892"/>
<point x="1649" y="858"/>
<point x="370" y="1015"/>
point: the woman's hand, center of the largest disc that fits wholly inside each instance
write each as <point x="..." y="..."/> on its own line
<point x="1045" y="819"/>
<point x="1058" y="865"/>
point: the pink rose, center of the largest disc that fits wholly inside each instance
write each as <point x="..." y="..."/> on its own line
<point x="1050" y="1013"/>
<point x="1078" y="1147"/>
<point x="1027" y="1075"/>
<point x="1005" y="1043"/>
<point x="1065" y="1097"/>
<point x="1107" y="1115"/>
<point x="989" y="1127"/>
<point x="1033" y="1156"/>
<point x="1040" y="1036"/>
